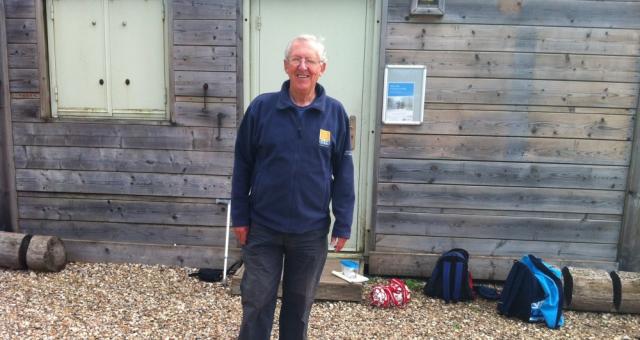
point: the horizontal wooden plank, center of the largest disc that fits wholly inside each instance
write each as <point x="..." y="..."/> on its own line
<point x="574" y="13"/>
<point x="25" y="110"/>
<point x="481" y="267"/>
<point x="522" y="124"/>
<point x="75" y="196"/>
<point x="191" y="83"/>
<point x="497" y="247"/>
<point x="21" y="31"/>
<point x="497" y="227"/>
<point x="129" y="232"/>
<point x="22" y="55"/>
<point x="479" y="64"/>
<point x="500" y="198"/>
<point x="515" y="149"/>
<point x="20" y="9"/>
<point x="450" y="37"/>
<point x="111" y="252"/>
<point x="205" y="32"/>
<point x="25" y="95"/>
<point x="123" y="183"/>
<point x="195" y="114"/>
<point x="531" y="92"/>
<point x="24" y="80"/>
<point x="502" y="174"/>
<point x="208" y="99"/>
<point x="506" y="213"/>
<point x="125" y="160"/>
<point x="130" y="136"/>
<point x="122" y="210"/>
<point x="204" y="58"/>
<point x="217" y="9"/>
<point x="531" y="108"/>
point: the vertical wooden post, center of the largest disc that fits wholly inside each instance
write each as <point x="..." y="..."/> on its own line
<point x="629" y="244"/>
<point x="43" y="66"/>
<point x="8" y="204"/>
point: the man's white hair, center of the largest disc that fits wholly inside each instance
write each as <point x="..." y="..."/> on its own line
<point x="314" y="41"/>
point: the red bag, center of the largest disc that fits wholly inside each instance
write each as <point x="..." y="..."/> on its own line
<point x="394" y="293"/>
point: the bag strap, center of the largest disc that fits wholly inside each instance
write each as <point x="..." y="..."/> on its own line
<point x="446" y="281"/>
<point x="457" y="284"/>
<point x="390" y="295"/>
<point x="403" y="290"/>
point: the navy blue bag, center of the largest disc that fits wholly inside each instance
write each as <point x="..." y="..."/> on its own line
<point x="450" y="279"/>
<point x="533" y="292"/>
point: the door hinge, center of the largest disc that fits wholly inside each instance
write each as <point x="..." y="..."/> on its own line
<point x="55" y="93"/>
<point x="258" y="23"/>
<point x="52" y="11"/>
<point x="163" y="10"/>
<point x="165" y="96"/>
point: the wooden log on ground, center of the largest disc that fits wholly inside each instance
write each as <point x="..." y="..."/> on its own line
<point x="629" y="291"/>
<point x="46" y="253"/>
<point x="10" y="250"/>
<point x="20" y="251"/>
<point x="588" y="290"/>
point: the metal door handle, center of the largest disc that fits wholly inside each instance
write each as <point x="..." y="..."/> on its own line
<point x="205" y="87"/>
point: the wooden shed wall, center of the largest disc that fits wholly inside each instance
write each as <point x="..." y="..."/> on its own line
<point x="527" y="135"/>
<point x="131" y="191"/>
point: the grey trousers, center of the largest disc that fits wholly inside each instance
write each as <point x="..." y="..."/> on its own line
<point x="265" y="254"/>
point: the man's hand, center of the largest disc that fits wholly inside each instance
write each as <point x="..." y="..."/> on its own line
<point x="338" y="243"/>
<point x="241" y="234"/>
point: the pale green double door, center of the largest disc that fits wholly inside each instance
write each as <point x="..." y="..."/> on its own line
<point x="350" y="30"/>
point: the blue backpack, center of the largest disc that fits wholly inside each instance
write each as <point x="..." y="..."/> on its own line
<point x="450" y="279"/>
<point x="533" y="292"/>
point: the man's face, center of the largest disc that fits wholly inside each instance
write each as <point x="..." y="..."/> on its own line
<point x="303" y="66"/>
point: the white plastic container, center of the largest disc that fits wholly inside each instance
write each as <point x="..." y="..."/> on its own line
<point x="349" y="268"/>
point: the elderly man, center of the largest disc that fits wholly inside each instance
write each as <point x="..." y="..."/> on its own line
<point x="292" y="157"/>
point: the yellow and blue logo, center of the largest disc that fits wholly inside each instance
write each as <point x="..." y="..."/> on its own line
<point x="325" y="137"/>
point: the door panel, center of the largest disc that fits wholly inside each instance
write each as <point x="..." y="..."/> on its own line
<point x="80" y="56"/>
<point x="137" y="54"/>
<point x="343" y="26"/>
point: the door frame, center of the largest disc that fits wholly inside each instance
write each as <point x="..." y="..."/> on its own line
<point x="368" y="123"/>
<point x="8" y="194"/>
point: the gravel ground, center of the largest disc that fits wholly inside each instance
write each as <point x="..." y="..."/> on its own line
<point x="140" y="301"/>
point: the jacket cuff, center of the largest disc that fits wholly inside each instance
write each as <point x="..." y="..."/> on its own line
<point x="343" y="231"/>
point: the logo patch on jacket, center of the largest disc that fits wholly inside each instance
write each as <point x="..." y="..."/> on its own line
<point x="325" y="137"/>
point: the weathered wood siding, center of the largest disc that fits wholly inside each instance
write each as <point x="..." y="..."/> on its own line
<point x="132" y="191"/>
<point x="527" y="135"/>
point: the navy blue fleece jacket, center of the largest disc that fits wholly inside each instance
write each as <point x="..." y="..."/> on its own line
<point x="288" y="167"/>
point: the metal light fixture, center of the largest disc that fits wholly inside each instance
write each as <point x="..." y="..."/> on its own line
<point x="427" y="7"/>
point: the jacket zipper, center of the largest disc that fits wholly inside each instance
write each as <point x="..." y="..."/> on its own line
<point x="298" y="125"/>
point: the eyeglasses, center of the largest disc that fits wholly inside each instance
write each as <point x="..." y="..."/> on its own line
<point x="297" y="61"/>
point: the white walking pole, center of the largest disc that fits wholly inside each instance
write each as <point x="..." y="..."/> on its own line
<point x="226" y="243"/>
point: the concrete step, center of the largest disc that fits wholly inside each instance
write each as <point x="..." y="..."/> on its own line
<point x="331" y="287"/>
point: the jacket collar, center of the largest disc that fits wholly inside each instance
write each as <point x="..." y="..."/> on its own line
<point x="284" y="100"/>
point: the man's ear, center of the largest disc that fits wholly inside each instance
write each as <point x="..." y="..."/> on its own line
<point x="323" y="67"/>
